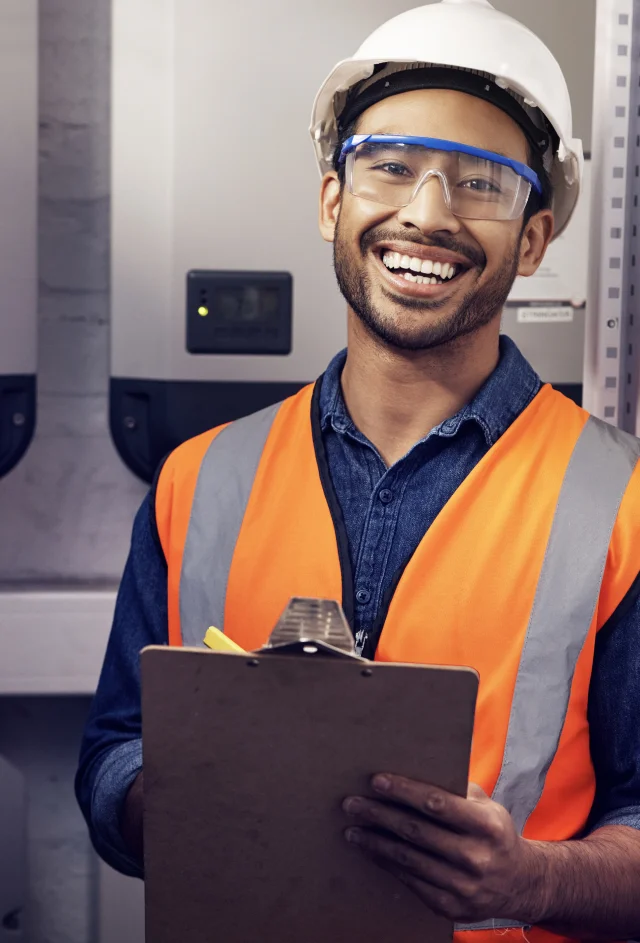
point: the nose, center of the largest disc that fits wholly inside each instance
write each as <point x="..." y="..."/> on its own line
<point x="429" y="211"/>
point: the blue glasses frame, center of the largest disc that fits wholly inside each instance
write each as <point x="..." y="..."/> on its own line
<point x="437" y="144"/>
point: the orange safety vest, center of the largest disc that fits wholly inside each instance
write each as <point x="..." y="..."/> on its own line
<point x="524" y="565"/>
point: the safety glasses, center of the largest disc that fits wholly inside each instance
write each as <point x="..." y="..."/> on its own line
<point x="476" y="184"/>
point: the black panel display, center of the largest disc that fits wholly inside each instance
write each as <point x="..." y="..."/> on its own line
<point x="239" y="312"/>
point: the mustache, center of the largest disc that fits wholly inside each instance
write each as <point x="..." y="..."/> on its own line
<point x="437" y="241"/>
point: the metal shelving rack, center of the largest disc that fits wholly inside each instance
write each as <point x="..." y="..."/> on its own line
<point x="612" y="346"/>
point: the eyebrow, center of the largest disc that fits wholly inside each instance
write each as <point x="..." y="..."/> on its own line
<point x="402" y="134"/>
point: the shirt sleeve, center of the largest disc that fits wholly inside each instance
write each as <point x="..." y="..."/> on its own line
<point x="614" y="709"/>
<point x="111" y="751"/>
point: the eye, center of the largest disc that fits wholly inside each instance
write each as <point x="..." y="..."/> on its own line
<point x="480" y="185"/>
<point x="393" y="168"/>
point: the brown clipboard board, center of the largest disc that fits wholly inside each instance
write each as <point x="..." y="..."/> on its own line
<point x="246" y="762"/>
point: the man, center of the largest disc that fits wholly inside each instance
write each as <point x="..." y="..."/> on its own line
<point x="462" y="511"/>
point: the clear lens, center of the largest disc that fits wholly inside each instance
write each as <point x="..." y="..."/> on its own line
<point x="473" y="188"/>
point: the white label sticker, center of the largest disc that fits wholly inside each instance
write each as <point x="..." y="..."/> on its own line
<point x="564" y="272"/>
<point x="546" y="315"/>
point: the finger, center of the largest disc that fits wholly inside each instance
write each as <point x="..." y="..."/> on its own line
<point x="468" y="815"/>
<point x="408" y="858"/>
<point x="476" y="792"/>
<point x="419" y="831"/>
<point x="441" y="902"/>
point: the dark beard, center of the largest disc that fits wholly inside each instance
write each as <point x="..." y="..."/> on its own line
<point x="477" y="309"/>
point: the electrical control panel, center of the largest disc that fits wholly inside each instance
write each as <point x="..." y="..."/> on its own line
<point x="239" y="312"/>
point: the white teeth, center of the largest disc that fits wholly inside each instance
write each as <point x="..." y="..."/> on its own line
<point x="445" y="270"/>
<point x="421" y="279"/>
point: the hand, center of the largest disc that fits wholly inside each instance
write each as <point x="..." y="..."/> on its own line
<point x="462" y="857"/>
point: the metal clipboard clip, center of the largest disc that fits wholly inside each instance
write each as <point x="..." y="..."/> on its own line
<point x="312" y="628"/>
<point x="307" y="627"/>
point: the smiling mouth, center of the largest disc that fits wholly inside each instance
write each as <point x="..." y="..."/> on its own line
<point x="420" y="271"/>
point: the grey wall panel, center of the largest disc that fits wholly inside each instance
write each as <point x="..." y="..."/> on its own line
<point x="13" y="854"/>
<point x="18" y="205"/>
<point x="120" y="907"/>
<point x="39" y="737"/>
<point x="568" y="27"/>
<point x="67" y="508"/>
<point x="18" y="184"/>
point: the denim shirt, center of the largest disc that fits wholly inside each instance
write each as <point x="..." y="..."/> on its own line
<point x="386" y="512"/>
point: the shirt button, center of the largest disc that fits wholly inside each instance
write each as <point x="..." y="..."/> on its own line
<point x="363" y="596"/>
<point x="386" y="496"/>
<point x="448" y="426"/>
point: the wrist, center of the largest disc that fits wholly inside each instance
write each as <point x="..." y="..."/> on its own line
<point x="534" y="893"/>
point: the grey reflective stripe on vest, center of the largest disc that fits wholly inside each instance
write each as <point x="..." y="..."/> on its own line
<point x="219" y="504"/>
<point x="566" y="598"/>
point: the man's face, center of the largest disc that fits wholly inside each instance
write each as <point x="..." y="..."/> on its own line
<point x="487" y="254"/>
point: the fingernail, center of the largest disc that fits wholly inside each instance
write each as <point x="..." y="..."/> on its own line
<point x="352" y="806"/>
<point x="382" y="784"/>
<point x="353" y="836"/>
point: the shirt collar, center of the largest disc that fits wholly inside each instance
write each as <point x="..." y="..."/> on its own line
<point x="507" y="392"/>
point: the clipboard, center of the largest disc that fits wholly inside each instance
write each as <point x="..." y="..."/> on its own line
<point x="247" y="760"/>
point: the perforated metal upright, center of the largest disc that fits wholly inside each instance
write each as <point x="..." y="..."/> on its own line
<point x="612" y="348"/>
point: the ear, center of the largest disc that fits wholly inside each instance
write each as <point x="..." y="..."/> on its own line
<point x="330" y="201"/>
<point x="536" y="237"/>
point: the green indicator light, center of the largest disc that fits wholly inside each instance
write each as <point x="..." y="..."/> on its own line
<point x="203" y="312"/>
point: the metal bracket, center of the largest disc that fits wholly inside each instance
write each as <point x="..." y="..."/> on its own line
<point x="150" y="418"/>
<point x="612" y="342"/>
<point x="17" y="419"/>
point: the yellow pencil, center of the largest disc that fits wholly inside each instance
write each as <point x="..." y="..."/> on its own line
<point x="217" y="641"/>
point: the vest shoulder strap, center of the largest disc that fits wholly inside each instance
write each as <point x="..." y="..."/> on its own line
<point x="178" y="479"/>
<point x="201" y="498"/>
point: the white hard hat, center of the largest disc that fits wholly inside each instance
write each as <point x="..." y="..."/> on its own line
<point x="470" y="36"/>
